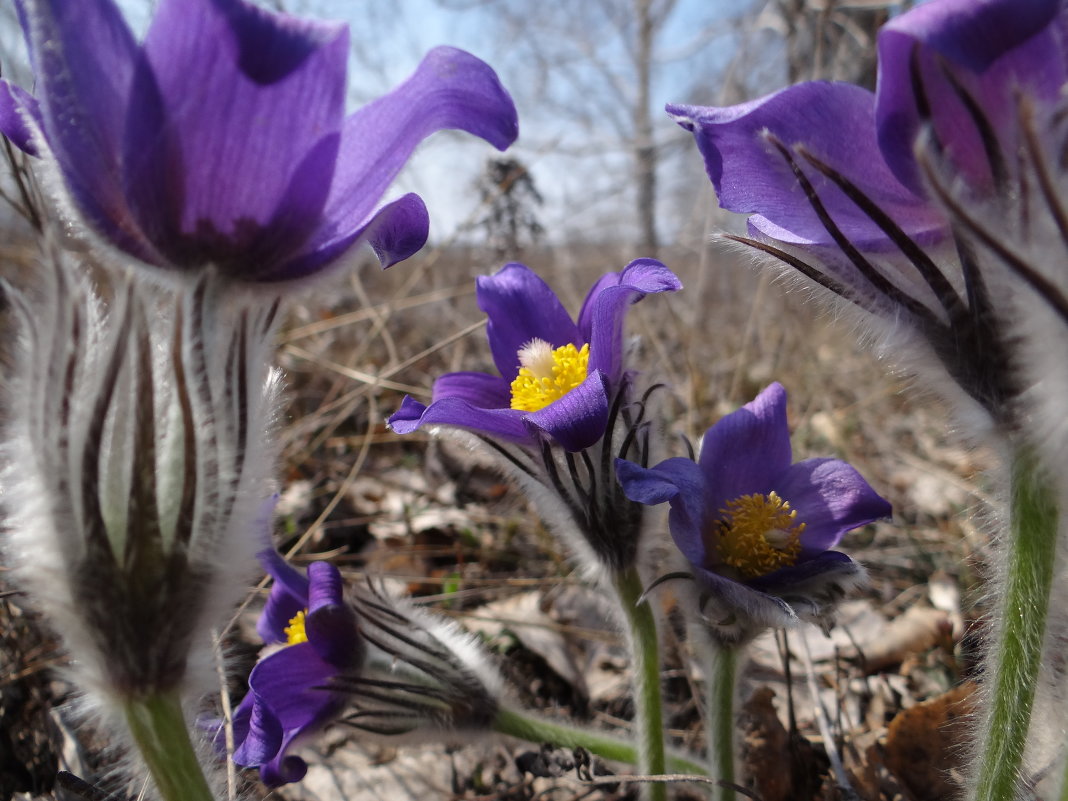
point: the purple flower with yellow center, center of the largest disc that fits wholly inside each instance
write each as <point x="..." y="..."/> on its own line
<point x="316" y="640"/>
<point x="558" y="377"/>
<point x="757" y="529"/>
<point x="222" y="139"/>
<point x="915" y="203"/>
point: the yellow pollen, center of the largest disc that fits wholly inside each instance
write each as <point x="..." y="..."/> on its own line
<point x="295" y="632"/>
<point x="546" y="375"/>
<point x="758" y="534"/>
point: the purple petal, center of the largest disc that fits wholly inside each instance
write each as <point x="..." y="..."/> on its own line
<point x="15" y="105"/>
<point x="261" y="735"/>
<point x="449" y="89"/>
<point x="257" y="102"/>
<point x="397" y="231"/>
<point x="330" y="623"/>
<point x="240" y="721"/>
<point x="478" y="389"/>
<point x="325" y="587"/>
<point x="836" y="122"/>
<point x="285" y="682"/>
<point x="831" y="498"/>
<point x="680" y="482"/>
<point x="975" y="35"/>
<point x="579" y="418"/>
<point x="153" y="172"/>
<point x="333" y="633"/>
<point x="83" y="58"/>
<point x="1000" y="49"/>
<point x="585" y="318"/>
<point x="521" y="307"/>
<point x="408" y="418"/>
<point x="828" y="565"/>
<point x="506" y="424"/>
<point x="288" y="596"/>
<point x="283" y="769"/>
<point x="746" y="451"/>
<point x="601" y="319"/>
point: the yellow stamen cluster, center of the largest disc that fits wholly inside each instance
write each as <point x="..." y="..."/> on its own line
<point x="758" y="534"/>
<point x="295" y="632"/>
<point x="546" y="375"/>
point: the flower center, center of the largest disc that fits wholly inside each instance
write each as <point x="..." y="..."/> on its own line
<point x="758" y="534"/>
<point x="295" y="632"/>
<point x="546" y="375"/>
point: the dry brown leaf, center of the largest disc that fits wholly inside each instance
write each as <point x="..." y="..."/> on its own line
<point x="923" y="744"/>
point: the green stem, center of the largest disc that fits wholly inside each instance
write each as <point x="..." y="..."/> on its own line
<point x="535" y="730"/>
<point x="721" y="664"/>
<point x="645" y="659"/>
<point x="1016" y="658"/>
<point x="158" y="728"/>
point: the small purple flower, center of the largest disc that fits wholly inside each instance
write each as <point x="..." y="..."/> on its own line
<point x="910" y="201"/>
<point x="557" y="376"/>
<point x="756" y="529"/>
<point x="287" y="699"/>
<point x="222" y="138"/>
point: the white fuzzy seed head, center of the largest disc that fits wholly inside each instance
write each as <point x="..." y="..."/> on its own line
<point x="138" y="460"/>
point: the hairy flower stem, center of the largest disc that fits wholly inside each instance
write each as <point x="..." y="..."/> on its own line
<point x="645" y="660"/>
<point x="721" y="666"/>
<point x="159" y="729"/>
<point x="1016" y="659"/>
<point x="535" y="730"/>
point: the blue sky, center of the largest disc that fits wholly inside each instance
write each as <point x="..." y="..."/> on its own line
<point x="581" y="191"/>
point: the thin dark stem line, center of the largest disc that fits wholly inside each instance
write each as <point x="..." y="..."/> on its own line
<point x="1045" y="180"/>
<point x="881" y="283"/>
<point x="991" y="147"/>
<point x="96" y="528"/>
<point x="807" y="270"/>
<point x="510" y="457"/>
<point x="1042" y="285"/>
<point x="613" y="416"/>
<point x="925" y="266"/>
<point x="145" y="547"/>
<point x="183" y="529"/>
<point x="554" y="476"/>
<point x="585" y="493"/>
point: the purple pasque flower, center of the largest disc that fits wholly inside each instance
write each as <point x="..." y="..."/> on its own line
<point x="561" y="406"/>
<point x="317" y="641"/>
<point x="757" y="529"/>
<point x="558" y="376"/>
<point x="913" y="202"/>
<point x="222" y="138"/>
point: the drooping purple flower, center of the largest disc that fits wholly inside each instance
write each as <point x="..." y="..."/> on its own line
<point x="757" y="529"/>
<point x="222" y="139"/>
<point x="288" y="698"/>
<point x="558" y="376"/>
<point x="916" y="202"/>
<point x="387" y="665"/>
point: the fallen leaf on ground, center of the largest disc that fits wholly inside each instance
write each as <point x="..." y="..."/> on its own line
<point x="924" y="744"/>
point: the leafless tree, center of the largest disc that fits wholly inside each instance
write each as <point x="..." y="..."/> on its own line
<point x="597" y="64"/>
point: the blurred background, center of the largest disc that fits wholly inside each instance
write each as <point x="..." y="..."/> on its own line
<point x="599" y="176"/>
